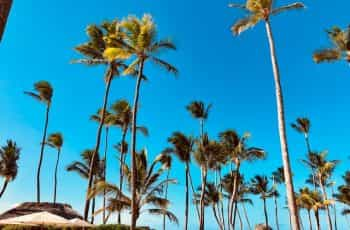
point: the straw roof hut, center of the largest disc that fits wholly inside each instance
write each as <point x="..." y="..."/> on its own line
<point x="38" y="218"/>
<point x="62" y="210"/>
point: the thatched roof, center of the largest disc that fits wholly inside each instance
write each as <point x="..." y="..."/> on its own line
<point x="63" y="210"/>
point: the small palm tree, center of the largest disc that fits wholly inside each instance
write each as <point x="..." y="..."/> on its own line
<point x="182" y="147"/>
<point x="277" y="178"/>
<point x="199" y="111"/>
<point x="55" y="140"/>
<point x="340" y="49"/>
<point x="263" y="10"/>
<point x="9" y="156"/>
<point x="82" y="168"/>
<point x="302" y="125"/>
<point x="43" y="93"/>
<point x="140" y="40"/>
<point x="343" y="194"/>
<point x="305" y="201"/>
<point x="260" y="186"/>
<point x="236" y="149"/>
<point x="149" y="185"/>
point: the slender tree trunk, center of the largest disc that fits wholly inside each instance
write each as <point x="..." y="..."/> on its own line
<point x="222" y="203"/>
<point x="109" y="77"/>
<point x="234" y="214"/>
<point x="194" y="192"/>
<point x="282" y="132"/>
<point x="317" y="220"/>
<point x="324" y="193"/>
<point x="334" y="211"/>
<point x="308" y="147"/>
<point x="276" y="206"/>
<point x="133" y="146"/>
<point x="309" y="217"/>
<point x="55" y="179"/>
<point x="233" y="202"/>
<point x="301" y="222"/>
<point x="104" y="177"/>
<point x="121" y="171"/>
<point x="93" y="211"/>
<point x="246" y="216"/>
<point x="187" y="197"/>
<point x="239" y="218"/>
<point x="216" y="218"/>
<point x="6" y="182"/>
<point x="42" y="153"/>
<point x="166" y="196"/>
<point x="202" y="210"/>
<point x="265" y="213"/>
<point x="290" y="220"/>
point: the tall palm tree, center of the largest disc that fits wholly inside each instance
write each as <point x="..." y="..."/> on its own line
<point x="55" y="140"/>
<point x="149" y="185"/>
<point x="277" y="178"/>
<point x="43" y="93"/>
<point x="100" y="39"/>
<point x="237" y="150"/>
<point x="199" y="111"/>
<point x="340" y="49"/>
<point x="260" y="186"/>
<point x="82" y="168"/>
<point x="262" y="10"/>
<point x="140" y="40"/>
<point x="323" y="172"/>
<point x="9" y="156"/>
<point x="182" y="147"/>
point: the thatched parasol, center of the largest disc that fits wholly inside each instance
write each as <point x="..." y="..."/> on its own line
<point x="39" y="218"/>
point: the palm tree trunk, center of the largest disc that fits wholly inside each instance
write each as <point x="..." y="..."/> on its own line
<point x="232" y="202"/>
<point x="334" y="211"/>
<point x="104" y="177"/>
<point x="121" y="171"/>
<point x="217" y="218"/>
<point x="282" y="132"/>
<point x="276" y="206"/>
<point x="239" y="218"/>
<point x="265" y="213"/>
<point x="93" y="211"/>
<point x="222" y="203"/>
<point x="194" y="192"/>
<point x="234" y="214"/>
<point x="309" y="217"/>
<point x="133" y="146"/>
<point x="187" y="196"/>
<point x="202" y="210"/>
<point x="6" y="182"/>
<point x="42" y="153"/>
<point x="317" y="220"/>
<point x="246" y="216"/>
<point x="324" y="193"/>
<point x="109" y="77"/>
<point x="55" y="182"/>
<point x="166" y="196"/>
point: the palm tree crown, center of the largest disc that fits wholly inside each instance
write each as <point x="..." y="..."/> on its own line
<point x="43" y="92"/>
<point x="9" y="155"/>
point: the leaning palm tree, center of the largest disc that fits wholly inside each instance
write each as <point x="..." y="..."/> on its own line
<point x="149" y="186"/>
<point x="236" y="148"/>
<point x="343" y="195"/>
<point x="43" y="93"/>
<point x="182" y="147"/>
<point x="277" y="178"/>
<point x="262" y="10"/>
<point x="260" y="186"/>
<point x="100" y="39"/>
<point x="340" y="49"/>
<point x="9" y="156"/>
<point x="140" y="40"/>
<point x="82" y="168"/>
<point x="55" y="140"/>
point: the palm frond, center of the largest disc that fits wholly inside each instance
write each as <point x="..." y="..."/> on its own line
<point x="293" y="6"/>
<point x="245" y="23"/>
<point x="327" y="55"/>
<point x="167" y="66"/>
<point x="171" y="216"/>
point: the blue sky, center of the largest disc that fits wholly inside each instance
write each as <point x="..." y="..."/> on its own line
<point x="232" y="73"/>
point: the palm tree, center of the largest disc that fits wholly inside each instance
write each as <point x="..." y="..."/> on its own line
<point x="277" y="178"/>
<point x="302" y="125"/>
<point x="82" y="168"/>
<point x="199" y="111"/>
<point x="237" y="150"/>
<point x="140" y="40"/>
<point x="340" y="49"/>
<point x="343" y="194"/>
<point x="9" y="155"/>
<point x="100" y="39"/>
<point x="260" y="186"/>
<point x="182" y="147"/>
<point x="149" y="185"/>
<point x="262" y="10"/>
<point x="43" y="93"/>
<point x="323" y="171"/>
<point x="305" y="201"/>
<point x="208" y="155"/>
<point x="55" y="140"/>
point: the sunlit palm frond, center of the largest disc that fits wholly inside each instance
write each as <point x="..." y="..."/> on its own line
<point x="327" y="55"/>
<point x="293" y="6"/>
<point x="245" y="23"/>
<point x="171" y="216"/>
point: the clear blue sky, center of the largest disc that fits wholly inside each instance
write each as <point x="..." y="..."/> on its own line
<point x="234" y="74"/>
